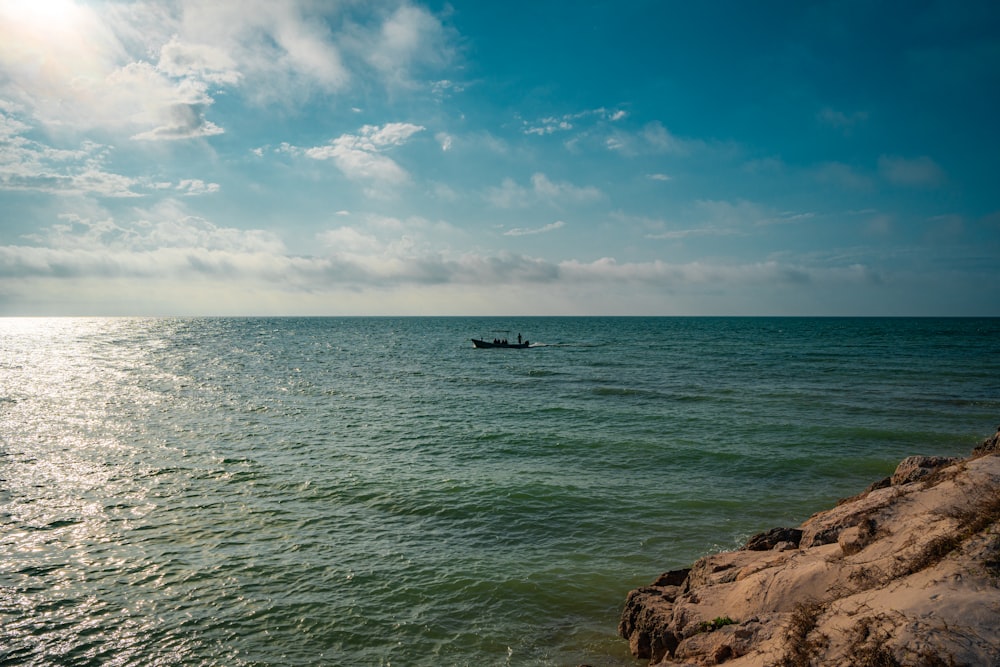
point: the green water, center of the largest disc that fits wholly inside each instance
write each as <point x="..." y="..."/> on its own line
<point x="374" y="491"/>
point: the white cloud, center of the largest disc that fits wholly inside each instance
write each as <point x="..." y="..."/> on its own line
<point x="167" y="225"/>
<point x="445" y="140"/>
<point x="349" y="240"/>
<point x="196" y="186"/>
<point x="88" y="79"/>
<point x="382" y="250"/>
<point x="542" y="190"/>
<point x="652" y="139"/>
<point x="360" y="156"/>
<point x="206" y="62"/>
<point x="549" y="126"/>
<point x="659" y="177"/>
<point x="284" y="50"/>
<point x="285" y="147"/>
<point x="566" y="122"/>
<point x="189" y="246"/>
<point x="446" y="87"/>
<point x="35" y="166"/>
<point x="390" y="134"/>
<point x="658" y="139"/>
<point x="410" y="38"/>
<point x="720" y="218"/>
<point x="10" y="127"/>
<point x="152" y="70"/>
<point x="565" y="192"/>
<point x="166" y="260"/>
<point x="181" y="121"/>
<point x="31" y="165"/>
<point x="523" y="231"/>
<point x="730" y="276"/>
<point x="679" y="234"/>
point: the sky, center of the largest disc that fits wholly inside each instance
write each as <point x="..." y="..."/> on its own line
<point x="386" y="157"/>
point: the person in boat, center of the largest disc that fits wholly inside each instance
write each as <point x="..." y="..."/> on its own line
<point x="518" y="339"/>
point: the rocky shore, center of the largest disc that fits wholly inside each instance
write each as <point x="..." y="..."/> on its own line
<point x="905" y="573"/>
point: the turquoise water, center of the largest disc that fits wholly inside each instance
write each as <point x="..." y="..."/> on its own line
<point x="374" y="491"/>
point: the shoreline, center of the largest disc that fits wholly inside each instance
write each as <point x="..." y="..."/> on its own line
<point x="906" y="572"/>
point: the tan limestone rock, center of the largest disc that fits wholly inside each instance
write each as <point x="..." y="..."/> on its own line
<point x="902" y="574"/>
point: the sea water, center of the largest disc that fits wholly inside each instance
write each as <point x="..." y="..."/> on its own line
<point x="375" y="491"/>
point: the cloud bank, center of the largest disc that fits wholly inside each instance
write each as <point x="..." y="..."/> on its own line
<point x="166" y="245"/>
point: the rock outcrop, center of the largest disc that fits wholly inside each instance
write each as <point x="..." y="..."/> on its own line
<point x="906" y="573"/>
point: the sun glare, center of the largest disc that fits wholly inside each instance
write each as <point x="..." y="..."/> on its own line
<point x="42" y="30"/>
<point x="50" y="46"/>
<point x="57" y="16"/>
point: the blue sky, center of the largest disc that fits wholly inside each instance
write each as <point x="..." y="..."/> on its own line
<point x="377" y="158"/>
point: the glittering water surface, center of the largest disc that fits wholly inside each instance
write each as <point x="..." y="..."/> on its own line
<point x="376" y="491"/>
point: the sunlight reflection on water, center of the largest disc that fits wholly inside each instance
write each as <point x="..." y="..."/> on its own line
<point x="70" y="483"/>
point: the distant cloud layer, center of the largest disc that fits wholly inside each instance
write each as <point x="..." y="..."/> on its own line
<point x="166" y="244"/>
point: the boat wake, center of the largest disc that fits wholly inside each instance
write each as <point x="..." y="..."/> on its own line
<point x="565" y="345"/>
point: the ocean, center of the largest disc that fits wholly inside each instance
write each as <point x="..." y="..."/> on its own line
<point x="375" y="491"/>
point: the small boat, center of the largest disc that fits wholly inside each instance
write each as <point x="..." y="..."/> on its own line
<point x="501" y="343"/>
<point x="498" y="343"/>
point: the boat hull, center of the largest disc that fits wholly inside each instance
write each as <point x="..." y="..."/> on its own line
<point x="490" y="344"/>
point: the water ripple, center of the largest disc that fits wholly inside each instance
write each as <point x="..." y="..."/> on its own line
<point x="368" y="491"/>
